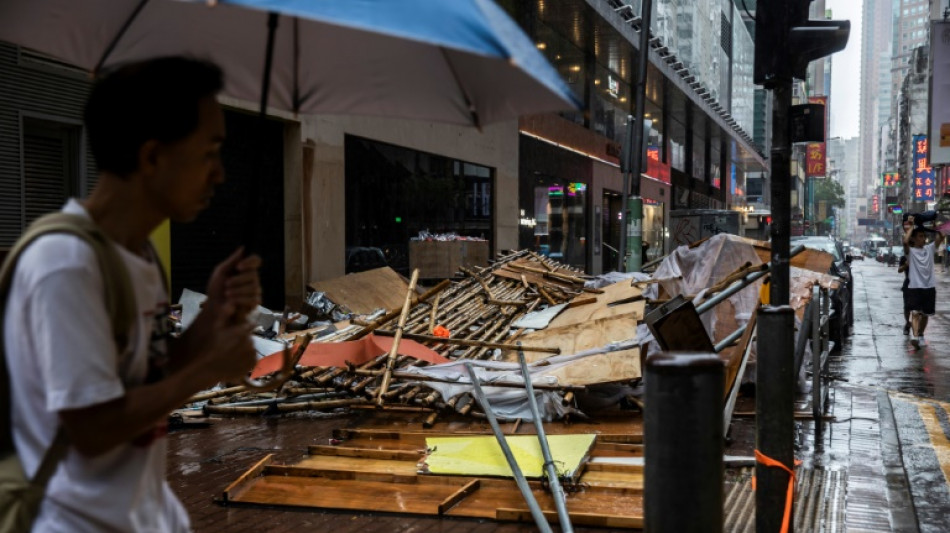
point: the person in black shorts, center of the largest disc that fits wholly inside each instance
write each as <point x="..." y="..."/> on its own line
<point x="921" y="288"/>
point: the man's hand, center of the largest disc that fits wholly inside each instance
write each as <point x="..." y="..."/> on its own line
<point x="236" y="281"/>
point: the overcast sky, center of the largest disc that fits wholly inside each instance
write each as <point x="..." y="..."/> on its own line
<point x="846" y="72"/>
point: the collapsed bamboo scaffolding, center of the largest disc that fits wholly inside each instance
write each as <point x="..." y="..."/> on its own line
<point x="478" y="312"/>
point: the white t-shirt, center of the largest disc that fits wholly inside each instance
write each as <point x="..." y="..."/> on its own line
<point x="920" y="267"/>
<point x="62" y="355"/>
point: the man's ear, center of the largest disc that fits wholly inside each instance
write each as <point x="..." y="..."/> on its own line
<point x="149" y="154"/>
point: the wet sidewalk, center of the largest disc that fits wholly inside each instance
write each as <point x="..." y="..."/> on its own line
<point x="876" y="464"/>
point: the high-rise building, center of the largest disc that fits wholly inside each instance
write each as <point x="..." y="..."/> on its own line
<point x="875" y="110"/>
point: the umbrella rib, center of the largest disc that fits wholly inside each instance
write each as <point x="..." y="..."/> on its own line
<point x="118" y="36"/>
<point x="458" y="83"/>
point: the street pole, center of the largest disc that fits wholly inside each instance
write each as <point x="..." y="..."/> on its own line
<point x="775" y="393"/>
<point x="631" y="253"/>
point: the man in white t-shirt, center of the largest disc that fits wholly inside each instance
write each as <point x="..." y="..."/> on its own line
<point x="155" y="129"/>
<point x="922" y="282"/>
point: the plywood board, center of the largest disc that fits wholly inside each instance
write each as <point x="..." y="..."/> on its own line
<point x="482" y="456"/>
<point x="814" y="260"/>
<point x="610" y="367"/>
<point x="365" y="292"/>
<point x="600" y="309"/>
<point x="578" y="337"/>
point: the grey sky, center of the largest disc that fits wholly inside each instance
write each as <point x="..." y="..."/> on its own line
<point x="846" y="72"/>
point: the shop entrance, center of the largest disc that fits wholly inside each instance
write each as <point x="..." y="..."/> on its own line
<point x="610" y="224"/>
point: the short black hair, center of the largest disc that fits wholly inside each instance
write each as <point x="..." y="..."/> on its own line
<point x="917" y="231"/>
<point x="152" y="99"/>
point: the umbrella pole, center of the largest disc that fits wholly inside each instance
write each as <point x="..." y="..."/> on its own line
<point x="520" y="480"/>
<point x="556" y="491"/>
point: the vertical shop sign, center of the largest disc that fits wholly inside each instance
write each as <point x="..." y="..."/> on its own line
<point x="656" y="168"/>
<point x="815" y="152"/>
<point x="875" y="204"/>
<point x="924" y="186"/>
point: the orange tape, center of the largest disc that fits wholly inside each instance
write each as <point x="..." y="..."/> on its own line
<point x="790" y="495"/>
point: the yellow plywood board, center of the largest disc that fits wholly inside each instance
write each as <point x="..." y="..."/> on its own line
<point x="482" y="456"/>
<point x="599" y="309"/>
<point x="365" y="292"/>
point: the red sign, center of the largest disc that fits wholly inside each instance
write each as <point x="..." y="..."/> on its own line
<point x="815" y="152"/>
<point x="656" y="168"/>
<point x="875" y="204"/>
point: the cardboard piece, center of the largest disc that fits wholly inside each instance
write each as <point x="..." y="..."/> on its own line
<point x="365" y="292"/>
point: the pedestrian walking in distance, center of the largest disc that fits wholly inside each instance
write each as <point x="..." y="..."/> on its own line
<point x="156" y="130"/>
<point x="921" y="287"/>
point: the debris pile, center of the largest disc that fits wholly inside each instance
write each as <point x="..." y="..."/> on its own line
<point x="380" y="359"/>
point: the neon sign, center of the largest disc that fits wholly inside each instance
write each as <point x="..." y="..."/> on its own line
<point x="924" y="184"/>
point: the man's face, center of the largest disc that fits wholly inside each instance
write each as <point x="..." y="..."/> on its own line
<point x="919" y="239"/>
<point x="188" y="170"/>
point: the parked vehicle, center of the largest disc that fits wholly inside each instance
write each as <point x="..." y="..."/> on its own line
<point x="856" y="255"/>
<point x="842" y="317"/>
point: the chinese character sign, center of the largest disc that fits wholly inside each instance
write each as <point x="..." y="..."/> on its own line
<point x="815" y="162"/>
<point x="875" y="204"/>
<point x="891" y="179"/>
<point x="924" y="184"/>
<point x="815" y="152"/>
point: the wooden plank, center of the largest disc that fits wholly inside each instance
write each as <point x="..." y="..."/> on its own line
<point x="365" y="292"/>
<point x="458" y="496"/>
<point x="348" y="451"/>
<point x="600" y="309"/>
<point x="327" y="493"/>
<point x="349" y="475"/>
<point x="235" y="489"/>
<point x="577" y="518"/>
<point x="359" y="464"/>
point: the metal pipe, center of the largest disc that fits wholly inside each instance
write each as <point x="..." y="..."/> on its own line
<point x="683" y="444"/>
<point x="560" y="500"/>
<point x="741" y="284"/>
<point x="520" y="480"/>
<point x="731" y="338"/>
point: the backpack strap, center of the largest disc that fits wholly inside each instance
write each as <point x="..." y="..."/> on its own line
<point x="119" y="298"/>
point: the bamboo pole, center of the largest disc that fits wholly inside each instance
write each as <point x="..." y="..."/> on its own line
<point x="435" y="310"/>
<point x="200" y="397"/>
<point x="468" y="342"/>
<point x="391" y="360"/>
<point x="397" y="312"/>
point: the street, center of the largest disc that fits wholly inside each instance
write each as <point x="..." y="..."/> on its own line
<point x="879" y="463"/>
<point x="890" y="429"/>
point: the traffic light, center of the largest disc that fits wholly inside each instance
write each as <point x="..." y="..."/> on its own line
<point x="786" y="40"/>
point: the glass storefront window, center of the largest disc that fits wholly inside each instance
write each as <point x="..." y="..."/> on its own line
<point x="699" y="155"/>
<point x="654" y="231"/>
<point x="393" y="193"/>
<point x="567" y="59"/>
<point x="555" y="222"/>
<point x="610" y="104"/>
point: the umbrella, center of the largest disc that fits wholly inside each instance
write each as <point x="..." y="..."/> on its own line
<point x="452" y="61"/>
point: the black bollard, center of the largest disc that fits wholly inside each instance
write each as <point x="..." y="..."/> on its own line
<point x="683" y="444"/>
<point x="774" y="416"/>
